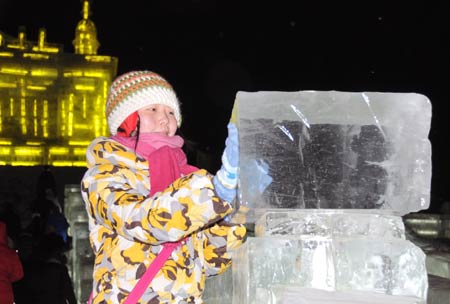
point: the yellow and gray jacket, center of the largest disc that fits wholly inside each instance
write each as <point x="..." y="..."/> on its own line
<point x="127" y="228"/>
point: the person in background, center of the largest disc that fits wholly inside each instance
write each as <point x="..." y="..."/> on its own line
<point x="56" y="221"/>
<point x="47" y="279"/>
<point x="10" y="268"/>
<point x="141" y="193"/>
<point x="46" y="201"/>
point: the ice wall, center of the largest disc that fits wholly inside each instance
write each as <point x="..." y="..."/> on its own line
<point x="333" y="150"/>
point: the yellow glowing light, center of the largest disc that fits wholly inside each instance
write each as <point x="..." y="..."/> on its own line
<point x="28" y="151"/>
<point x="62" y="163"/>
<point x="63" y="117"/>
<point x="46" y="82"/>
<point x="23" y="116"/>
<point x="75" y="86"/>
<point x="6" y="54"/>
<point x="11" y="106"/>
<point x="105" y="88"/>
<point x="34" y="143"/>
<point x="35" y="124"/>
<point x="70" y="117"/>
<point x="36" y="88"/>
<point x="23" y="124"/>
<point x="97" y="125"/>
<point x="5" y="150"/>
<point x="73" y="74"/>
<point x="98" y="102"/>
<point x="79" y="151"/>
<point x="16" y="46"/>
<point x="97" y="58"/>
<point x="44" y="73"/>
<point x="45" y="120"/>
<point x="14" y="71"/>
<point x="95" y="74"/>
<point x="83" y="87"/>
<point x="36" y="56"/>
<point x="47" y="49"/>
<point x="7" y="85"/>
<point x="2" y="163"/>
<point x="79" y="143"/>
<point x="84" y="107"/>
<point x="58" y="151"/>
<point x="25" y="163"/>
<point x="79" y="164"/>
<point x="82" y="126"/>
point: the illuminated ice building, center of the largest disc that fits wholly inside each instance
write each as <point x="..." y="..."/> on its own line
<point x="52" y="102"/>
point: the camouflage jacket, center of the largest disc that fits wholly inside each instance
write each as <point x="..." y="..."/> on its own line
<point x="127" y="228"/>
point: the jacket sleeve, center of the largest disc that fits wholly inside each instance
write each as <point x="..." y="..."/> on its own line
<point x="220" y="240"/>
<point x="17" y="269"/>
<point x="115" y="198"/>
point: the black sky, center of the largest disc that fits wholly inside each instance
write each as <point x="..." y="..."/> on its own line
<point x="210" y="49"/>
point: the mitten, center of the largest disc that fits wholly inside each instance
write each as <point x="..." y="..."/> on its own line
<point x="225" y="180"/>
<point x="260" y="178"/>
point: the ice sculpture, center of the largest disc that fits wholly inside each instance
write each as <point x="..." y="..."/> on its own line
<point x="334" y="150"/>
<point x="80" y="258"/>
<point x="392" y="267"/>
<point x="325" y="178"/>
<point x="329" y="223"/>
<point x="289" y="294"/>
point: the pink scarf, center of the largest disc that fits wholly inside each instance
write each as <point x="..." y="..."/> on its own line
<point x="167" y="161"/>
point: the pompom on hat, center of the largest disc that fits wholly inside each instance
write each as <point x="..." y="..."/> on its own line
<point x="135" y="90"/>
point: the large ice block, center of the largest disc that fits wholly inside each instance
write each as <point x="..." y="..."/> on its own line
<point x="335" y="223"/>
<point x="292" y="294"/>
<point x="334" y="150"/>
<point x="219" y="289"/>
<point x="393" y="267"/>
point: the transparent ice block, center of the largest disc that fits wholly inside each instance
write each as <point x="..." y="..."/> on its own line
<point x="219" y="289"/>
<point x="333" y="150"/>
<point x="293" y="294"/>
<point x="393" y="267"/>
<point x="329" y="223"/>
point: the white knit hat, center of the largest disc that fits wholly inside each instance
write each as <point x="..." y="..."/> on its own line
<point x="135" y="90"/>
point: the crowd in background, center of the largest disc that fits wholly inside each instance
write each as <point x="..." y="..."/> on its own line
<point x="38" y="235"/>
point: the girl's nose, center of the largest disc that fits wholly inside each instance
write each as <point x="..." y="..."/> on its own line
<point x="163" y="119"/>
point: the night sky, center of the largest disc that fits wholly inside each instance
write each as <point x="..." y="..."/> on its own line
<point x="211" y="49"/>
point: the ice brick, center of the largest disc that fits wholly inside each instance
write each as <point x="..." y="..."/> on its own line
<point x="393" y="267"/>
<point x="329" y="223"/>
<point x="335" y="150"/>
<point x="219" y="289"/>
<point x="292" y="294"/>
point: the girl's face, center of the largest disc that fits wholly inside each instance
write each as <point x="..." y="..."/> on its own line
<point x="157" y="118"/>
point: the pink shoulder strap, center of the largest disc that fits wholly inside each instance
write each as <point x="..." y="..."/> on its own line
<point x="149" y="274"/>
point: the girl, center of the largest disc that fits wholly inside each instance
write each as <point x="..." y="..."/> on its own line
<point x="140" y="194"/>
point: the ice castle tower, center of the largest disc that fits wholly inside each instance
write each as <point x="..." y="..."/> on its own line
<point x="325" y="177"/>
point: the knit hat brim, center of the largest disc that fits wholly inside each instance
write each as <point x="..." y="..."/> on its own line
<point x="141" y="99"/>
